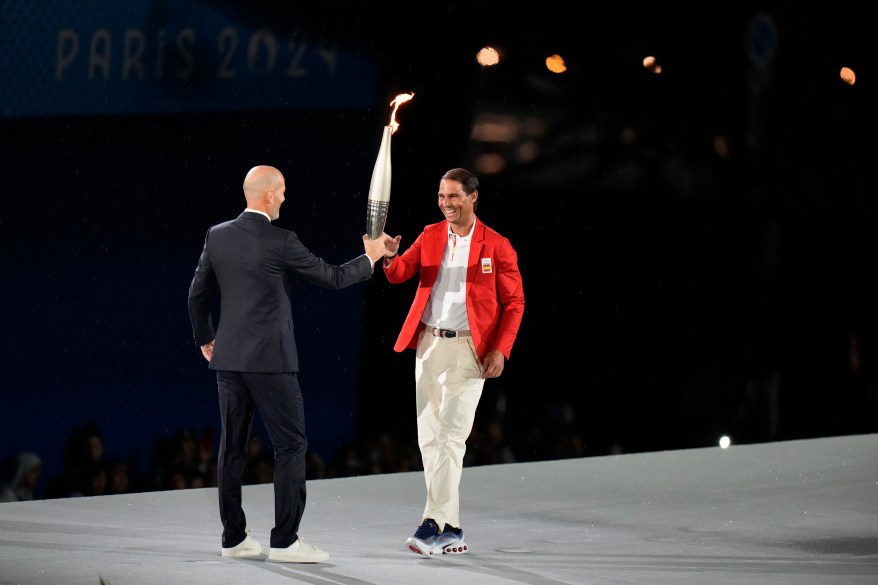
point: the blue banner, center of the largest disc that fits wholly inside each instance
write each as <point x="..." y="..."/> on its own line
<point x="63" y="58"/>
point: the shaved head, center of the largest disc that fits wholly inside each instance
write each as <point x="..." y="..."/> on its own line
<point x="264" y="189"/>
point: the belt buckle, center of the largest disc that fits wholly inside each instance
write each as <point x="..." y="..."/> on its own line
<point x="447" y="333"/>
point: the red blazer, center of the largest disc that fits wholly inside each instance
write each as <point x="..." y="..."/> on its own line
<point x="494" y="293"/>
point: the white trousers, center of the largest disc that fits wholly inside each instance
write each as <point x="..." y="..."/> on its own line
<point x="448" y="385"/>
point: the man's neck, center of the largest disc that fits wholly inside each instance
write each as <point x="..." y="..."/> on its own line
<point x="250" y="209"/>
<point x="461" y="230"/>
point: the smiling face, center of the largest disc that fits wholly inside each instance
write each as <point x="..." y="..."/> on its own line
<point x="457" y="205"/>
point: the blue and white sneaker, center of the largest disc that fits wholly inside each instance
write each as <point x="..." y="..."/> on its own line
<point x="424" y="540"/>
<point x="450" y="541"/>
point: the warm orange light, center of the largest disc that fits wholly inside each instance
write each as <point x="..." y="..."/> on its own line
<point x="555" y="64"/>
<point x="398" y="101"/>
<point x="650" y="63"/>
<point x="488" y="56"/>
<point x="496" y="128"/>
<point x="848" y="76"/>
<point x="489" y="163"/>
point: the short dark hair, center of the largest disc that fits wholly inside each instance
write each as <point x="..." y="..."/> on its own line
<point x="469" y="181"/>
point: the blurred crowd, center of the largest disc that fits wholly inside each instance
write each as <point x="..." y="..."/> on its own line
<point x="187" y="459"/>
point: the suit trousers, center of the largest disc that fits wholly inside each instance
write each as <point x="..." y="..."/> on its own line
<point x="278" y="400"/>
<point x="448" y="386"/>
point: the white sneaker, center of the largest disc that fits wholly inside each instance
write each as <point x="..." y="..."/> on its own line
<point x="451" y="541"/>
<point x="423" y="542"/>
<point x="249" y="547"/>
<point x="298" y="552"/>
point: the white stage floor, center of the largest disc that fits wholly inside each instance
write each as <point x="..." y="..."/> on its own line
<point x="793" y="513"/>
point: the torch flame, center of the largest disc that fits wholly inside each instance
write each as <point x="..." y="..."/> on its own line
<point x="398" y="101"/>
<point x="379" y="188"/>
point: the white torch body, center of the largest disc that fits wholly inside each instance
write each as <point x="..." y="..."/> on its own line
<point x="379" y="188"/>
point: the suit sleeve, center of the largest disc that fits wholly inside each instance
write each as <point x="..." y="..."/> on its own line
<point x="201" y="292"/>
<point x="301" y="262"/>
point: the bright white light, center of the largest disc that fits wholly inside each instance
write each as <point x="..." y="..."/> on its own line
<point x="724" y="441"/>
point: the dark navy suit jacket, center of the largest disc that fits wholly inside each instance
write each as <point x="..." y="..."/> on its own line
<point x="252" y="264"/>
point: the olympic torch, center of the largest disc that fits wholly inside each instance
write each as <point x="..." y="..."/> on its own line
<point x="379" y="188"/>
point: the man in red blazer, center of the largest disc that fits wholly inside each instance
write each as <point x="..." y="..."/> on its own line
<point x="463" y="321"/>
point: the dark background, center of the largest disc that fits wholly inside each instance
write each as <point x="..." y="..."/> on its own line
<point x="697" y="247"/>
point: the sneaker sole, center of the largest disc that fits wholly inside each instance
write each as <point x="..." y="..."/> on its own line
<point x="419" y="549"/>
<point x="455" y="549"/>
<point x="294" y="559"/>
<point x="429" y="553"/>
<point x="240" y="554"/>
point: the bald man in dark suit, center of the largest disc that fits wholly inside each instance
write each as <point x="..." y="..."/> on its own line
<point x="251" y="264"/>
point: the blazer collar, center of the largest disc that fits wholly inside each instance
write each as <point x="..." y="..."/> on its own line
<point x="478" y="230"/>
<point x="253" y="215"/>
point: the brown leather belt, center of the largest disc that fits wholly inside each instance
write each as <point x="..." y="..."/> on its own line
<point x="448" y="333"/>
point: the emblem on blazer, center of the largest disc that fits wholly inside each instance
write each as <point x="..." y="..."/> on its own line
<point x="486" y="266"/>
